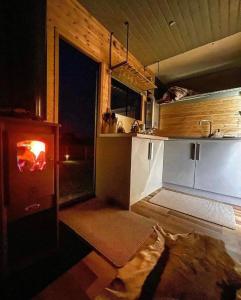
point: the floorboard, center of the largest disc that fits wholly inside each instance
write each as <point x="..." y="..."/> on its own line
<point x="171" y="221"/>
<point x="176" y="222"/>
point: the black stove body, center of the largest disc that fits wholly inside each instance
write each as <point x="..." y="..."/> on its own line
<point x="28" y="190"/>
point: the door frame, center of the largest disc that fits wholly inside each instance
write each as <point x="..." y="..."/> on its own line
<point x="57" y="36"/>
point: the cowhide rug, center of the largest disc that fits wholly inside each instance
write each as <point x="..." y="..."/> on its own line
<point x="183" y="266"/>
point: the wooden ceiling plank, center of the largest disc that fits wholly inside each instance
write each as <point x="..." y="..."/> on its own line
<point x="119" y="31"/>
<point x="115" y="16"/>
<point x="188" y="20"/>
<point x="171" y="40"/>
<point x="239" y="19"/>
<point x="165" y="42"/>
<point x="235" y="15"/>
<point x="215" y="19"/>
<point x="224" y="17"/>
<point x="156" y="33"/>
<point x="163" y="12"/>
<point x="196" y="13"/>
<point x="136" y="24"/>
<point x="180" y="23"/>
<point x="198" y="22"/>
<point x="137" y="40"/>
<point x="205" y="21"/>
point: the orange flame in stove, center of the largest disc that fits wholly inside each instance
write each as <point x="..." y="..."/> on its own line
<point x="36" y="147"/>
<point x="31" y="155"/>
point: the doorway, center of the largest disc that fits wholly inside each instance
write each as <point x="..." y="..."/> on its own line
<point x="78" y="85"/>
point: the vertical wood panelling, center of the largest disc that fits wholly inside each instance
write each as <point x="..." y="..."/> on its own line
<point x="182" y="118"/>
<point x="71" y="21"/>
<point x="104" y="93"/>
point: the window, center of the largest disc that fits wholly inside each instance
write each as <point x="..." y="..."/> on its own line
<point x="125" y="101"/>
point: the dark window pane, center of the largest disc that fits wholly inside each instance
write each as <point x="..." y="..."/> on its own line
<point x="125" y="101"/>
<point x="78" y="76"/>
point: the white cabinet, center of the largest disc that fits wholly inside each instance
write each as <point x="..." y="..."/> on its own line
<point x="179" y="162"/>
<point x="206" y="165"/>
<point x="146" y="167"/>
<point x="140" y="166"/>
<point x="128" y="168"/>
<point x="218" y="167"/>
<point x="154" y="181"/>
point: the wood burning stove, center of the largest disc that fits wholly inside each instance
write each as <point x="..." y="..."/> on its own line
<point x="29" y="189"/>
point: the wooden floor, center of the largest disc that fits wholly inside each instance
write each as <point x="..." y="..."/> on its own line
<point x="98" y="273"/>
<point x="176" y="222"/>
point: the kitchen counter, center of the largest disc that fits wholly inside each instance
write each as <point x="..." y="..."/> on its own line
<point x="128" y="166"/>
<point x="205" y="167"/>
<point x="157" y="137"/>
<point x="205" y="138"/>
<point x="128" y="135"/>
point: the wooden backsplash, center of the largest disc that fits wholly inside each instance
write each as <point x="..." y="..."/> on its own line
<point x="182" y="118"/>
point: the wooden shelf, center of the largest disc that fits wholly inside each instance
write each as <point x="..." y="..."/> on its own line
<point x="132" y="77"/>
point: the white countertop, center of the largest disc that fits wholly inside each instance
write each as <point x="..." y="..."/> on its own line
<point x="206" y="138"/>
<point x="157" y="137"/>
<point x="128" y="135"/>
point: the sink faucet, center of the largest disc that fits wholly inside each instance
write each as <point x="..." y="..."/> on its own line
<point x="210" y="126"/>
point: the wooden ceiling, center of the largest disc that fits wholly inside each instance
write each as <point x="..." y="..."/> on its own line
<point x="152" y="39"/>
<point x="213" y="57"/>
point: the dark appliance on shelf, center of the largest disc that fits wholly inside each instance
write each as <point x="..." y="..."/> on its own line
<point x="28" y="190"/>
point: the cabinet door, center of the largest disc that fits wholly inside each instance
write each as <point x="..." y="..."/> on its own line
<point x="179" y="162"/>
<point x="155" y="166"/>
<point x="139" y="169"/>
<point x="218" y="169"/>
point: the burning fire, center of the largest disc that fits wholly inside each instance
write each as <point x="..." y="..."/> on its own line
<point x="36" y="147"/>
<point x="31" y="155"/>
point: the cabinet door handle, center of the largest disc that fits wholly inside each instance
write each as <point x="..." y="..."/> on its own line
<point x="34" y="206"/>
<point x="198" y="152"/>
<point x="193" y="151"/>
<point x="150" y="151"/>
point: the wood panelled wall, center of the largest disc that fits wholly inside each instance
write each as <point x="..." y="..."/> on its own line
<point x="71" y="21"/>
<point x="182" y="118"/>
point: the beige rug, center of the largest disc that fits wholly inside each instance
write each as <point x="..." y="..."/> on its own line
<point x="186" y="266"/>
<point x="209" y="210"/>
<point x="116" y="234"/>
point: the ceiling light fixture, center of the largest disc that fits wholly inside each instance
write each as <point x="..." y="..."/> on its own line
<point x="172" y="23"/>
